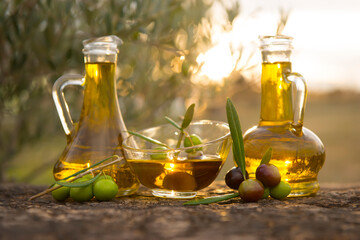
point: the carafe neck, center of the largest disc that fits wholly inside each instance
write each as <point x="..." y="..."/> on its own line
<point x="276" y="91"/>
<point x="100" y="106"/>
<point x="100" y="96"/>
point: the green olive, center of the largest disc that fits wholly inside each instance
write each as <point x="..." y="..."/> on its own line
<point x="160" y="155"/>
<point x="60" y="194"/>
<point x="266" y="193"/>
<point x="103" y="176"/>
<point x="82" y="194"/>
<point x="280" y="191"/>
<point x="193" y="140"/>
<point x="105" y="189"/>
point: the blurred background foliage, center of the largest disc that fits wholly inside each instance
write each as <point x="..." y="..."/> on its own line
<point x="41" y="39"/>
<point x="159" y="73"/>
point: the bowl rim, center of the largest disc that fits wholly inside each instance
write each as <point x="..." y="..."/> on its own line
<point x="199" y="122"/>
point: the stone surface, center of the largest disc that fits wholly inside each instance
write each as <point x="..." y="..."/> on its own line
<point x="334" y="213"/>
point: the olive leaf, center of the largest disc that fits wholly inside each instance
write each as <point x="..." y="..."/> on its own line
<point x="149" y="139"/>
<point x="212" y="199"/>
<point x="78" y="184"/>
<point x="172" y="122"/>
<point x="267" y="156"/>
<point x="188" y="116"/>
<point x="236" y="157"/>
<point x="236" y="134"/>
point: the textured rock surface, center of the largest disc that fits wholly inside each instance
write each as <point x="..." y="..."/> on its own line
<point x="334" y="213"/>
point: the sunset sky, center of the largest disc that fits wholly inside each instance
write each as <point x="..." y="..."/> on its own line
<point x="326" y="40"/>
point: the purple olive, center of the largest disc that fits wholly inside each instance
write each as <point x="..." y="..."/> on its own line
<point x="251" y="190"/>
<point x="268" y="174"/>
<point x="234" y="178"/>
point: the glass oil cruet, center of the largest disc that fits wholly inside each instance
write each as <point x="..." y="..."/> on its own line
<point x="297" y="152"/>
<point x="101" y="129"/>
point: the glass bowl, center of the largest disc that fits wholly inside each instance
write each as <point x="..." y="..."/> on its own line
<point x="179" y="172"/>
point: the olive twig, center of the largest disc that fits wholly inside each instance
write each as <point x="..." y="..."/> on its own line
<point x="149" y="139"/>
<point x="187" y="135"/>
<point x="118" y="160"/>
<point x="188" y="116"/>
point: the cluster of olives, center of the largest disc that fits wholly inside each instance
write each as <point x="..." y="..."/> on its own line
<point x="267" y="182"/>
<point x="104" y="189"/>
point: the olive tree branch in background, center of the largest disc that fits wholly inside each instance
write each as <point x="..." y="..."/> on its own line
<point x="284" y="16"/>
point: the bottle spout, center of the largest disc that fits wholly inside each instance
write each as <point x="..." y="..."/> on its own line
<point x="102" y="45"/>
<point x="275" y="48"/>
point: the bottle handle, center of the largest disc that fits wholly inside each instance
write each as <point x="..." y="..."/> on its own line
<point x="59" y="99"/>
<point x="300" y="91"/>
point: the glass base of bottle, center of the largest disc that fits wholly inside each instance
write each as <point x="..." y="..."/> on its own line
<point x="303" y="189"/>
<point x="126" y="192"/>
<point x="173" y="194"/>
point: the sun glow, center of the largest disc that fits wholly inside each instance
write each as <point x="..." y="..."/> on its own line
<point x="216" y="64"/>
<point x="227" y="54"/>
<point x="313" y="52"/>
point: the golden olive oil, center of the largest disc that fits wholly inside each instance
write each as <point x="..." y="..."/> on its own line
<point x="276" y="93"/>
<point x="98" y="134"/>
<point x="184" y="176"/>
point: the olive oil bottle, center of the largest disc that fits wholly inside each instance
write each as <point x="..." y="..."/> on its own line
<point x="101" y="129"/>
<point x="297" y="152"/>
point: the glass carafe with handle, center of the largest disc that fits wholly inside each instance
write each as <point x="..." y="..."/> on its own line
<point x="297" y="152"/>
<point x="101" y="129"/>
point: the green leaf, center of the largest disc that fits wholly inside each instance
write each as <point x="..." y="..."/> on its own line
<point x="236" y="134"/>
<point x="78" y="184"/>
<point x="212" y="199"/>
<point x="267" y="156"/>
<point x="149" y="139"/>
<point x="236" y="157"/>
<point x="188" y="116"/>
<point x="172" y="122"/>
<point x="94" y="165"/>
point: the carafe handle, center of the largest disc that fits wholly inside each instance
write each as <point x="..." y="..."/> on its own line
<point x="59" y="99"/>
<point x="299" y="85"/>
